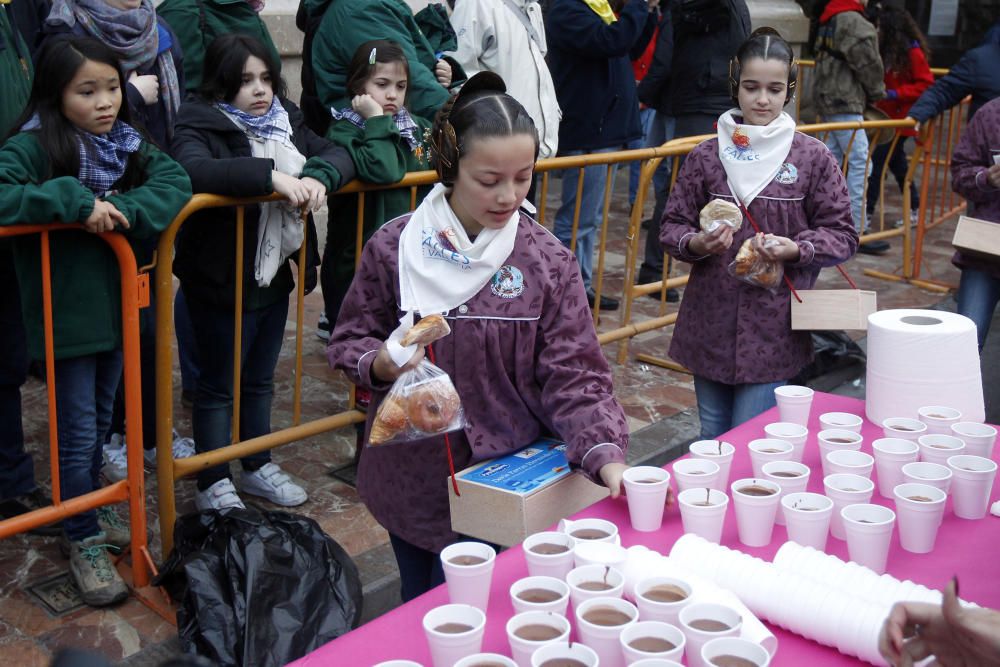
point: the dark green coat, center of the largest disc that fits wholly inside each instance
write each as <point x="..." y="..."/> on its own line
<point x="15" y="73"/>
<point x="86" y="291"/>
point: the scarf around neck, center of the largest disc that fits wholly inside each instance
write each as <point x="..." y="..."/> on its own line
<point x="440" y="268"/>
<point x="752" y="155"/>
<point x="272" y="125"/>
<point x="407" y="127"/>
<point x="104" y="157"/>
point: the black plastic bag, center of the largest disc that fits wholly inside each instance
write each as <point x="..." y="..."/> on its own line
<point x="258" y="588"/>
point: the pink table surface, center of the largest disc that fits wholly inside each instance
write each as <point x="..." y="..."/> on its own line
<point x="968" y="549"/>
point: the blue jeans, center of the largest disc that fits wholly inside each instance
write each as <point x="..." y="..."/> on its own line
<point x="661" y="131"/>
<point x="722" y="407"/>
<point x="591" y="209"/>
<point x="187" y="349"/>
<point x="85" y="395"/>
<point x="978" y="295"/>
<point x="634" y="168"/>
<point x="263" y="334"/>
<point x="419" y="569"/>
<point x="857" y="162"/>
<point x="17" y="471"/>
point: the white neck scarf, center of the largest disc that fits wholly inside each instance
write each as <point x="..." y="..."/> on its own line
<point x="752" y="155"/>
<point x="439" y="267"/>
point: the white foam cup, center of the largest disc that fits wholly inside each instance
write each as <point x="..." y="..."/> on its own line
<point x="891" y="454"/>
<point x="846" y="421"/>
<point x="661" y="609"/>
<point x="918" y="520"/>
<point x="697" y="637"/>
<point x="903" y="427"/>
<point x="600" y="553"/>
<point x="605" y="639"/>
<point x="447" y="648"/>
<point x="656" y="662"/>
<point x="869" y="532"/>
<point x="522" y="598"/>
<point x="594" y="573"/>
<point x="491" y="659"/>
<point x="655" y="630"/>
<point x="938" y="418"/>
<point x="692" y="473"/>
<point x="845" y="490"/>
<point x="721" y="453"/>
<point x="399" y="663"/>
<point x="579" y="527"/>
<point x="979" y="438"/>
<point x="555" y="565"/>
<point x="851" y="462"/>
<point x="755" y="654"/>
<point x="646" y="490"/>
<point x="755" y="514"/>
<point x="836" y="439"/>
<point x="939" y="448"/>
<point x="469" y="583"/>
<point x="932" y="474"/>
<point x="807" y="518"/>
<point x="792" y="477"/>
<point x="793" y="433"/>
<point x="794" y="403"/>
<point x="522" y="648"/>
<point x="764" y="450"/>
<point x="704" y="520"/>
<point x="567" y="651"/>
<point x="971" y="485"/>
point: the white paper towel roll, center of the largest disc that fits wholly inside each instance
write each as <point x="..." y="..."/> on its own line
<point x="922" y="357"/>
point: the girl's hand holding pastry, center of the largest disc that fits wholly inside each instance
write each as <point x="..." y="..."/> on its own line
<point x="776" y="248"/>
<point x="714" y="242"/>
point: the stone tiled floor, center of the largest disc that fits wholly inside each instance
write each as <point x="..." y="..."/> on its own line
<point x="29" y="636"/>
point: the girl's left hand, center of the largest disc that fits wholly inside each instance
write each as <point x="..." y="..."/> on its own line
<point x="611" y="474"/>
<point x="443" y="73"/>
<point x="315" y="192"/>
<point x="776" y="248"/>
<point x="993" y="175"/>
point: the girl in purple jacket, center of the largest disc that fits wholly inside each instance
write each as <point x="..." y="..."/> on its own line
<point x="735" y="337"/>
<point x="522" y="351"/>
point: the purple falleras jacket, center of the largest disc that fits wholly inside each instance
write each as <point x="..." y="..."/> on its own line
<point x="523" y="356"/>
<point x="732" y="332"/>
<point x="973" y="157"/>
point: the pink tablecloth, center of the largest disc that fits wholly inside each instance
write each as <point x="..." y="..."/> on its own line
<point x="968" y="549"/>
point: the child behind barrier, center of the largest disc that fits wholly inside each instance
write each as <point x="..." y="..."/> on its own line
<point x="243" y="138"/>
<point x="76" y="159"/>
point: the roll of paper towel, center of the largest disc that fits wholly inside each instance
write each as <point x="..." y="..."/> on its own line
<point x="922" y="357"/>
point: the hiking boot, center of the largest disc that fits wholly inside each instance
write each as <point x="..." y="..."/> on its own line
<point x="94" y="573"/>
<point x="116" y="530"/>
<point x="221" y="495"/>
<point x="271" y="483"/>
<point x="29" y="502"/>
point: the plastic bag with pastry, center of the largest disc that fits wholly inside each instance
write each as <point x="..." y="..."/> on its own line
<point x="753" y="269"/>
<point x="426" y="331"/>
<point x="421" y="403"/>
<point x="720" y="212"/>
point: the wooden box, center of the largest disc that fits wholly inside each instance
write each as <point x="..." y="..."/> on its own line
<point x="977" y="237"/>
<point x="833" y="309"/>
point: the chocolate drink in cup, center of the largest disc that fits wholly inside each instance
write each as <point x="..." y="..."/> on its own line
<point x="785" y="473"/>
<point x="452" y="628"/>
<point x="920" y="499"/>
<point x="709" y="625"/>
<point x="606" y="616"/>
<point x="467" y="560"/>
<point x="549" y="549"/>
<point x="589" y="534"/>
<point x="756" y="490"/>
<point x="537" y="632"/>
<point x="563" y="662"/>
<point x="538" y="595"/>
<point x="842" y="441"/>
<point x="732" y="661"/>
<point x="652" y="644"/>
<point x="665" y="593"/>
<point x="597" y="585"/>
<point x="708" y="499"/>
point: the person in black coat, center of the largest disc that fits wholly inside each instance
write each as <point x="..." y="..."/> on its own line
<point x="222" y="140"/>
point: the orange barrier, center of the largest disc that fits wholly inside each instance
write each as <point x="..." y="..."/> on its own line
<point x="131" y="488"/>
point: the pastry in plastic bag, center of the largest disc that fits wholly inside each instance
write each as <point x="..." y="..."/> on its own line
<point x="426" y="331"/>
<point x="751" y="268"/>
<point x="720" y="211"/>
<point x="421" y="403"/>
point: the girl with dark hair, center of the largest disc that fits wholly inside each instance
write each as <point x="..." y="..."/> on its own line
<point x="385" y="141"/>
<point x="522" y="351"/>
<point x="76" y="159"/>
<point x="907" y="75"/>
<point x="242" y="138"/>
<point x="736" y="337"/>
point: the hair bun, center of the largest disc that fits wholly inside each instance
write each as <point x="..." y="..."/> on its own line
<point x="483" y="82"/>
<point x="765" y="30"/>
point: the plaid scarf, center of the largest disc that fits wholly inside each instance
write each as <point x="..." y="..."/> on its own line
<point x="408" y="129"/>
<point x="272" y="125"/>
<point x="103" y="157"/>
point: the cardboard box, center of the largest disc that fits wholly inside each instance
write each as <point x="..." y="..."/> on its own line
<point x="977" y="237"/>
<point x="505" y="499"/>
<point x="833" y="309"/>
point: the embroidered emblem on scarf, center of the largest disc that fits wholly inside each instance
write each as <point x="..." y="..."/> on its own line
<point x="741" y="149"/>
<point x="440" y="247"/>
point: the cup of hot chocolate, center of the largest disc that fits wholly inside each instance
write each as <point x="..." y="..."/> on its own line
<point x="468" y="570"/>
<point x="692" y="473"/>
<point x="903" y="427"/>
<point x="792" y="477"/>
<point x="600" y="623"/>
<point x="652" y="639"/>
<point x="454" y="631"/>
<point x="869" y="532"/>
<point x="486" y="660"/>
<point x="939" y="418"/>
<point x="564" y="654"/>
<point x="703" y="512"/>
<point x="971" y="485"/>
<point x="794" y="403"/>
<point x="734" y="652"/>
<point x="756" y="502"/>
<point x="845" y="490"/>
<point x="764" y="450"/>
<point x="655" y="662"/>
<point x="590" y="530"/>
<point x="934" y="474"/>
<point x="661" y="598"/>
<point x="919" y="511"/>
<point x="844" y="421"/>
<point x="719" y="452"/>
<point x="529" y="631"/>
<point x="646" y="490"/>
<point x="978" y="438"/>
<point x="594" y="581"/>
<point x="702" y="622"/>
<point x="939" y="448"/>
<point x="807" y="518"/>
<point x="891" y="454"/>
<point x="850" y="462"/>
<point x="540" y="594"/>
<point x="833" y="440"/>
<point x="789" y="432"/>
<point x="399" y="663"/>
<point x="549" y="554"/>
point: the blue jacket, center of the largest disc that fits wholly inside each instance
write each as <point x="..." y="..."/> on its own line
<point x="976" y="74"/>
<point x="591" y="65"/>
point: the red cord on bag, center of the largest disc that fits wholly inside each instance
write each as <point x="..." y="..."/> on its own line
<point x="447" y="440"/>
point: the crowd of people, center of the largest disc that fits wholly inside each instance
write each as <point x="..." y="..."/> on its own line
<point x="115" y="112"/>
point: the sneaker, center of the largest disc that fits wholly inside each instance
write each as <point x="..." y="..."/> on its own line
<point x="914" y="220"/>
<point x="94" y="573"/>
<point x="29" y="502"/>
<point x="182" y="448"/>
<point x="271" y="483"/>
<point x="115" y="467"/>
<point x="221" y="495"/>
<point x="323" y="328"/>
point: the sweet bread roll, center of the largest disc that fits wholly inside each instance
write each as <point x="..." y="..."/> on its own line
<point x="390" y="421"/>
<point x="426" y="331"/>
<point x="431" y="407"/>
<point x="746" y="258"/>
<point x="752" y="267"/>
<point x="720" y="210"/>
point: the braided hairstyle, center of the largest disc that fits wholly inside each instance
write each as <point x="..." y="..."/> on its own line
<point x="482" y="109"/>
<point x="767" y="44"/>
